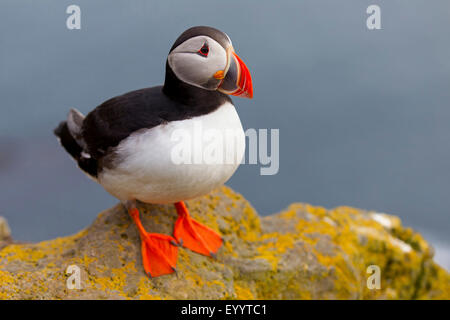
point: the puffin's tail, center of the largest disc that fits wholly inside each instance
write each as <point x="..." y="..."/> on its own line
<point x="69" y="134"/>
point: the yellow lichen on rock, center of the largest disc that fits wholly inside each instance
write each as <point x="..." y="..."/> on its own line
<point x="304" y="252"/>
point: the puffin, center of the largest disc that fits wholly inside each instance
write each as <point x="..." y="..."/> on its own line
<point x="132" y="144"/>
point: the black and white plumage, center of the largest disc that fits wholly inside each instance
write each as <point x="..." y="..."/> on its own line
<point x="125" y="143"/>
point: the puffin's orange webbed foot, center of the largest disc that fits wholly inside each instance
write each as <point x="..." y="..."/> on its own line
<point x="193" y="235"/>
<point x="159" y="251"/>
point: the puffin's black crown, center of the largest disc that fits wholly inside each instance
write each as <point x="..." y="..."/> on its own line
<point x="211" y="32"/>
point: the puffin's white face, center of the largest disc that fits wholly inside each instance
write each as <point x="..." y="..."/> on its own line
<point x="198" y="61"/>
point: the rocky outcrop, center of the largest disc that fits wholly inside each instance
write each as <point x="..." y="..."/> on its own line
<point x="304" y="252"/>
<point x="5" y="233"/>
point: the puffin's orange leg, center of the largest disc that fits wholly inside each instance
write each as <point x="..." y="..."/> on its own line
<point x="194" y="235"/>
<point x="159" y="251"/>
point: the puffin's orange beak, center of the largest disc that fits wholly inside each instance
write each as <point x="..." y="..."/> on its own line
<point x="237" y="80"/>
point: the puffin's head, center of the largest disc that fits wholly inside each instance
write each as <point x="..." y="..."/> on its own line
<point x="204" y="57"/>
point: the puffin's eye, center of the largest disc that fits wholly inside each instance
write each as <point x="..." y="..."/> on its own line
<point x="204" y="50"/>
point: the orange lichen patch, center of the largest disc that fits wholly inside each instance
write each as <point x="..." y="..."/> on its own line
<point x="273" y="246"/>
<point x="216" y="285"/>
<point x="28" y="254"/>
<point x="317" y="211"/>
<point x="242" y="292"/>
<point x="228" y="248"/>
<point x="145" y="290"/>
<point x="289" y="213"/>
<point x="6" y="280"/>
<point x="117" y="280"/>
<point x="34" y="253"/>
<point x="230" y="194"/>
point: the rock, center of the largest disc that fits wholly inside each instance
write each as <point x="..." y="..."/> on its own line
<point x="5" y="233"/>
<point x="304" y="252"/>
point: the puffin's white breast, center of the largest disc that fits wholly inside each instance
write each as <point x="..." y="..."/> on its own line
<point x="179" y="160"/>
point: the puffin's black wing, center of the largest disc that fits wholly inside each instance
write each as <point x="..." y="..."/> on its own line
<point x="88" y="139"/>
<point x="117" y="118"/>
